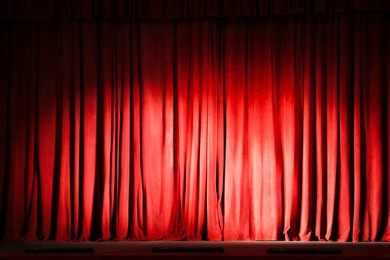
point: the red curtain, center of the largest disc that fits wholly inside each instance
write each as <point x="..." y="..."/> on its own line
<point x="271" y="127"/>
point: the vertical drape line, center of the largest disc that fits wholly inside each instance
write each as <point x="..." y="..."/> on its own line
<point x="345" y="114"/>
<point x="385" y="127"/>
<point x="321" y="126"/>
<point x="386" y="76"/>
<point x="141" y="199"/>
<point x="30" y="221"/>
<point x="39" y="232"/>
<point x="178" y="215"/>
<point x="357" y="219"/>
<point x="275" y="45"/>
<point x="116" y="129"/>
<point x="81" y="142"/>
<point x="223" y="130"/>
<point x="58" y="146"/>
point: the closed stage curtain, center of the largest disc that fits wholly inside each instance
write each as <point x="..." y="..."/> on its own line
<point x="271" y="127"/>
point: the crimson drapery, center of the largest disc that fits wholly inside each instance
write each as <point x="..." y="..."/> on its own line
<point x="266" y="127"/>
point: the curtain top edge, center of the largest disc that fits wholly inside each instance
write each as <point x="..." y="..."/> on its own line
<point x="58" y="10"/>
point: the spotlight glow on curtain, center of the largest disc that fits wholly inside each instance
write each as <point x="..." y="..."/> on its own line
<point x="265" y="128"/>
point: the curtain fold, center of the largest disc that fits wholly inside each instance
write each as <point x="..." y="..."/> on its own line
<point x="260" y="128"/>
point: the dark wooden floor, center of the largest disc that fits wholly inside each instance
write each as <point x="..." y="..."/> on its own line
<point x="194" y="250"/>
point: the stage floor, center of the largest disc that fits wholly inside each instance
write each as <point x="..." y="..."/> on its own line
<point x="195" y="250"/>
